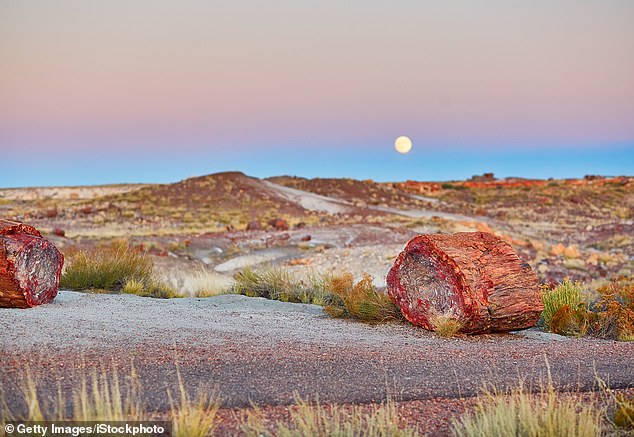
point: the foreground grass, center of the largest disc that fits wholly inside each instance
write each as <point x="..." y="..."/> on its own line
<point x="95" y="397"/>
<point x="106" y="396"/>
<point x="101" y="397"/>
<point x="313" y="419"/>
<point x="520" y="413"/>
<point x="116" y="267"/>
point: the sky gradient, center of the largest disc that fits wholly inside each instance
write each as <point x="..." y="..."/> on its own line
<point x="156" y="91"/>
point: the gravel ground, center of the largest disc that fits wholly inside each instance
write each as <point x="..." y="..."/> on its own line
<point x="376" y="260"/>
<point x="253" y="350"/>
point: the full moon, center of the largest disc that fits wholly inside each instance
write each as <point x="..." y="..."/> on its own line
<point x="403" y="144"/>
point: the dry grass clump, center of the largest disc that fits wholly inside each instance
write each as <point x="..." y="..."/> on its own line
<point x="361" y="301"/>
<point x="203" y="283"/>
<point x="116" y="267"/>
<point x="524" y="414"/>
<point x="313" y="419"/>
<point x="624" y="414"/>
<point x="103" y="399"/>
<point x="610" y="316"/>
<point x="445" y="324"/>
<point x="616" y="309"/>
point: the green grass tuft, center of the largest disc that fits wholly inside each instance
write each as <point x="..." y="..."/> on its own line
<point x="117" y="268"/>
<point x="561" y="306"/>
<point x="279" y="284"/>
<point x="106" y="267"/>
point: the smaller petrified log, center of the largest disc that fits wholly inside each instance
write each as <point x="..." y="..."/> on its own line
<point x="30" y="266"/>
<point x="474" y="275"/>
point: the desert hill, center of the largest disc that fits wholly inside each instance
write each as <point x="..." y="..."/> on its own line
<point x="578" y="227"/>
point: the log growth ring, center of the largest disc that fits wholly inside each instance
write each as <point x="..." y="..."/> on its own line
<point x="33" y="266"/>
<point x="439" y="284"/>
<point x="30" y="266"/>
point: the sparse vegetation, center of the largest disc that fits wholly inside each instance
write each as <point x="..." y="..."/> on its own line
<point x="101" y="397"/>
<point x="522" y="413"/>
<point x="615" y="318"/>
<point x="193" y="417"/>
<point x="116" y="267"/>
<point x="361" y="301"/>
<point x="624" y="414"/>
<point x="338" y="294"/>
<point x="611" y="315"/>
<point x="106" y="267"/>
<point x="446" y="324"/>
<point x="449" y="186"/>
<point x="313" y="419"/>
<point x="279" y="284"/>
<point x="98" y="397"/>
<point x="198" y="282"/>
<point x="565" y="309"/>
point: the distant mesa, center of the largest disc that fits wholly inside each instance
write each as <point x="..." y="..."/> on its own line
<point x="486" y="177"/>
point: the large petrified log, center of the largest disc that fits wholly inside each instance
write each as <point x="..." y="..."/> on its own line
<point x="30" y="266"/>
<point x="475" y="276"/>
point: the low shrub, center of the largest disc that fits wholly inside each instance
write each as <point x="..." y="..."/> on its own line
<point x="610" y="316"/>
<point x="615" y="309"/>
<point x="571" y="321"/>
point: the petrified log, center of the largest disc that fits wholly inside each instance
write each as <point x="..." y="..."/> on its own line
<point x="475" y="276"/>
<point x="30" y="266"/>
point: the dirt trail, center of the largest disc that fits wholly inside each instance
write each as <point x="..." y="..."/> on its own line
<point x="254" y="350"/>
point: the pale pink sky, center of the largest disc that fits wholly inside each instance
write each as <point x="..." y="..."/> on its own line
<point x="142" y="75"/>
